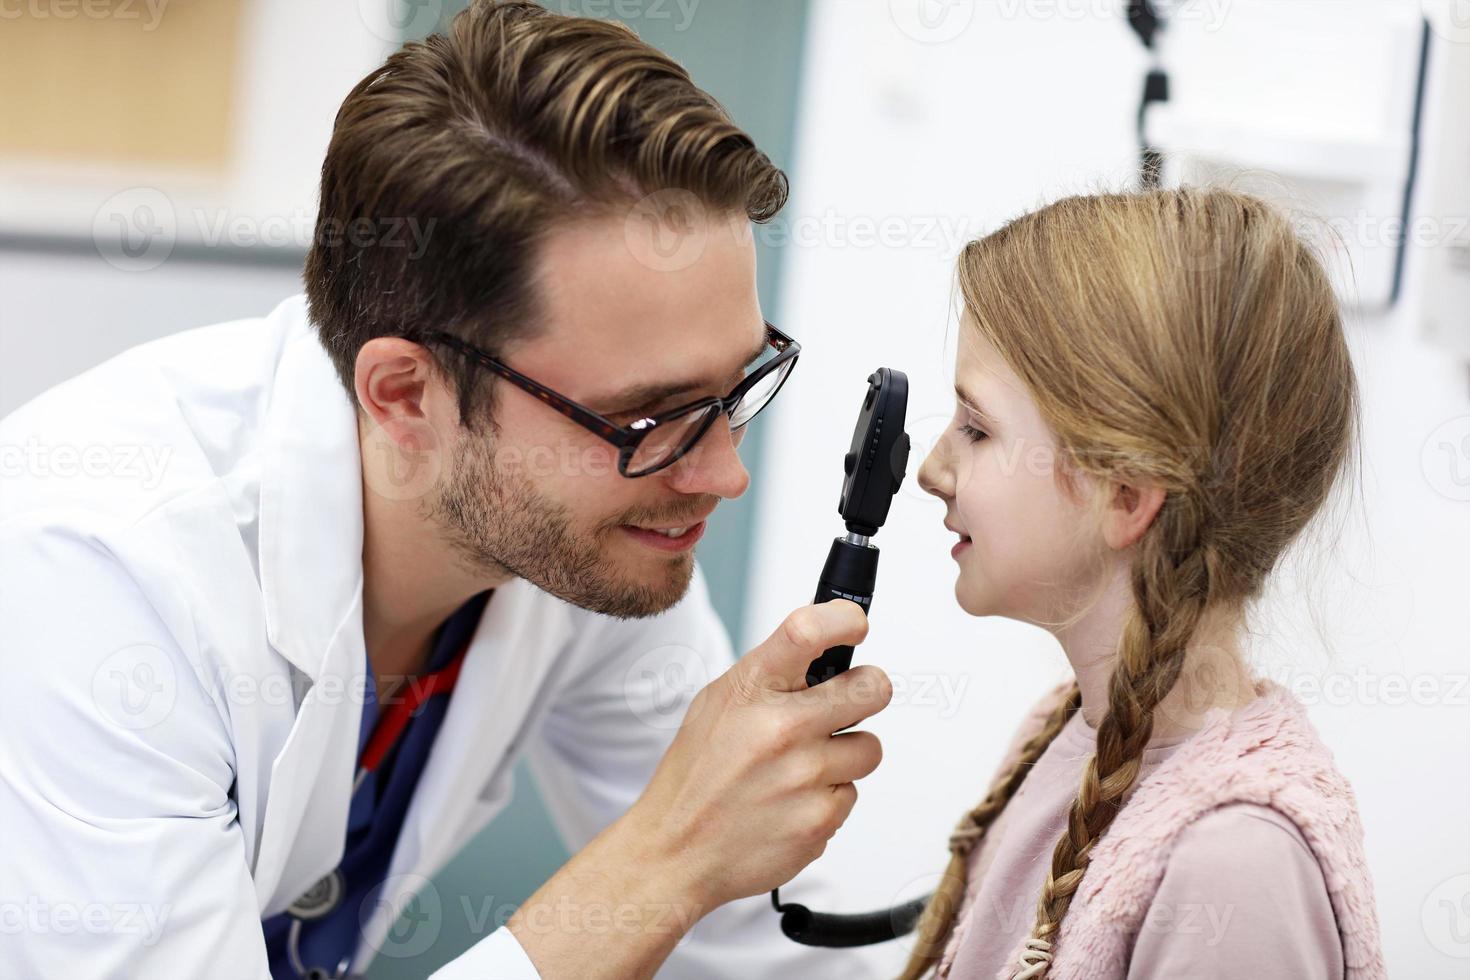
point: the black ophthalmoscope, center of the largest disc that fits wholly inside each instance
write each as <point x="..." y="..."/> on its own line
<point x="873" y="471"/>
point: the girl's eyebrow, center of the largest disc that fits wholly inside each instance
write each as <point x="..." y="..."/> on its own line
<point x="972" y="403"/>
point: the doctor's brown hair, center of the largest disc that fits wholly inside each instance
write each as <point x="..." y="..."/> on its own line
<point x="1189" y="339"/>
<point x="515" y="121"/>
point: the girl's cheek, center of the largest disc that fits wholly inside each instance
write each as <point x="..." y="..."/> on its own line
<point x="978" y="483"/>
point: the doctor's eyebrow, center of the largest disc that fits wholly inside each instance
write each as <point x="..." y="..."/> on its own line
<point x="648" y="395"/>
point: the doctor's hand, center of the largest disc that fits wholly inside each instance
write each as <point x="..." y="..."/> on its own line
<point x="752" y="788"/>
<point x="756" y="782"/>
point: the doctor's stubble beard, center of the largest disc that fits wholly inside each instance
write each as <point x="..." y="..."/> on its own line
<point x="498" y="522"/>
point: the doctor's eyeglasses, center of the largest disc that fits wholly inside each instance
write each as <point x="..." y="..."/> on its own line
<point x="651" y="444"/>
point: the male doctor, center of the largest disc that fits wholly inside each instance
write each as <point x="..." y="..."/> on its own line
<point x="433" y="516"/>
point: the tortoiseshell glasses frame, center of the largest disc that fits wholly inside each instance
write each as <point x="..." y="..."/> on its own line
<point x="693" y="420"/>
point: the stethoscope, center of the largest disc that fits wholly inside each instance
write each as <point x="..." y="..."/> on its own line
<point x="323" y="898"/>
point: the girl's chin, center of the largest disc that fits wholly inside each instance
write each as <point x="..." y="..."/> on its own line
<point x="969" y="600"/>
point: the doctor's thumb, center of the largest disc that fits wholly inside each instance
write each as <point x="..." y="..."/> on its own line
<point x="780" y="663"/>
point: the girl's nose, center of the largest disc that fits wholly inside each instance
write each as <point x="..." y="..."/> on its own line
<point x="936" y="476"/>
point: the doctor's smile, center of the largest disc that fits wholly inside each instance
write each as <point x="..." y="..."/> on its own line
<point x="440" y="594"/>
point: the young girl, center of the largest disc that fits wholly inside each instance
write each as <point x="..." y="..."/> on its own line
<point x="1155" y="397"/>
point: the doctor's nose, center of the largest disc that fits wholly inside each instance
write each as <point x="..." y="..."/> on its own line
<point x="713" y="466"/>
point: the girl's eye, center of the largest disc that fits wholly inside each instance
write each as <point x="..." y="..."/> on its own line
<point x="972" y="433"/>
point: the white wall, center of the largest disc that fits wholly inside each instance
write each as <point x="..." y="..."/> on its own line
<point x="64" y="313"/>
<point x="978" y="113"/>
<point x="209" y="247"/>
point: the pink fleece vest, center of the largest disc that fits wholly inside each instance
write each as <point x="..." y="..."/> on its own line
<point x="1266" y="752"/>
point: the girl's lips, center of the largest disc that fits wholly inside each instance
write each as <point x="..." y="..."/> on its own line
<point x="959" y="549"/>
<point x="662" y="542"/>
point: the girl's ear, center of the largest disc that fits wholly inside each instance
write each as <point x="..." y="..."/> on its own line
<point x="1129" y="514"/>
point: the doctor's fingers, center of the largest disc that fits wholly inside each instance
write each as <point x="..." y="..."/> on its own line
<point x="847" y="699"/>
<point x="850" y="756"/>
<point x="781" y="662"/>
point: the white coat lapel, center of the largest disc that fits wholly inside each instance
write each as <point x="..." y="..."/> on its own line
<point x="311" y="579"/>
<point x="311" y="779"/>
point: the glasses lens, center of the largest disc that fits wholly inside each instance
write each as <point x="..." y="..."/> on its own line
<point x="760" y="394"/>
<point x="669" y="440"/>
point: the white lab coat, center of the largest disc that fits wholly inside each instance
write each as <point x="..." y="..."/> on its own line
<point x="183" y="662"/>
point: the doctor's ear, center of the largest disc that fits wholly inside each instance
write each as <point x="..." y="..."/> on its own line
<point x="1129" y="512"/>
<point x="393" y="379"/>
<point x="398" y="396"/>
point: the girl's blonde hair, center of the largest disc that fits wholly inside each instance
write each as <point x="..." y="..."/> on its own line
<point x="1185" y="338"/>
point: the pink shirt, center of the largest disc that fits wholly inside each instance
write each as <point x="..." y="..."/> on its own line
<point x="1242" y="894"/>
